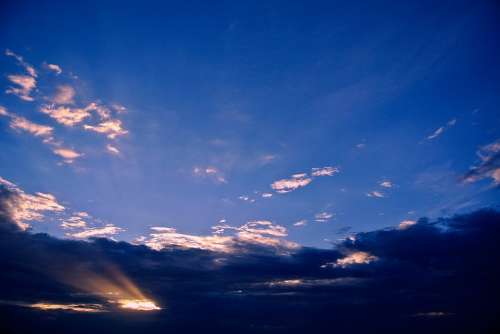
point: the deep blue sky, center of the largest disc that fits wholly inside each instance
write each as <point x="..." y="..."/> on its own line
<point x="225" y="98"/>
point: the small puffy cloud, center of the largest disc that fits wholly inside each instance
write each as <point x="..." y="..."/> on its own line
<point x="65" y="95"/>
<point x="209" y="172"/>
<point x="66" y="115"/>
<point x="355" y="258"/>
<point x="284" y="186"/>
<point x="302" y="222"/>
<point x="3" y="111"/>
<point x="386" y="184"/>
<point x="489" y="166"/>
<point x="375" y="194"/>
<point x="73" y="222"/>
<point x="54" y="68"/>
<point x="323" y="217"/>
<point x="111" y="128"/>
<point x="112" y="149"/>
<point x="406" y="224"/>
<point x="22" y="207"/>
<point x="21" y="123"/>
<point x="67" y="154"/>
<point x="25" y="85"/>
<point x="97" y="232"/>
<point x="439" y="131"/>
<point x="267" y="195"/>
<point x="324" y="171"/>
<point x="29" y="68"/>
<point x="246" y="199"/>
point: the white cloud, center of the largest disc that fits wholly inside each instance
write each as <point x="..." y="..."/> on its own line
<point x="54" y="68"/>
<point x="441" y="129"/>
<point x="267" y="195"/>
<point x="323" y="217"/>
<point x="386" y="184"/>
<point x="73" y="222"/>
<point x="209" y="172"/>
<point x="353" y="258"/>
<point x="37" y="130"/>
<point x="26" y="84"/>
<point x="67" y="154"/>
<point x="65" y="95"/>
<point x="287" y="185"/>
<point x="406" y="224"/>
<point x="66" y="115"/>
<point x="111" y="128"/>
<point x="324" y="171"/>
<point x="23" y="207"/>
<point x="302" y="222"/>
<point x="97" y="232"/>
<point x="375" y="193"/>
<point x="112" y="149"/>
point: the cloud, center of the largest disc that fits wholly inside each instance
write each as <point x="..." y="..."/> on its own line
<point x="302" y="222"/>
<point x="22" y="208"/>
<point x="73" y="222"/>
<point x="29" y="68"/>
<point x="267" y="195"/>
<point x="489" y="166"/>
<point x="409" y="287"/>
<point x="386" y="184"/>
<point x="324" y="171"/>
<point x="209" y="172"/>
<point x="284" y="186"/>
<point x="26" y="84"/>
<point x="54" y="68"/>
<point x="323" y="217"/>
<point x="260" y="233"/>
<point x="406" y="224"/>
<point x="112" y="149"/>
<point x="65" y="95"/>
<point x="112" y="128"/>
<point x="67" y="154"/>
<point x="37" y="130"/>
<point x="96" y="232"/>
<point x="375" y="193"/>
<point x="439" y="131"/>
<point x="65" y="115"/>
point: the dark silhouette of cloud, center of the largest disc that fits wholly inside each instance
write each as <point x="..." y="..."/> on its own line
<point x="434" y="276"/>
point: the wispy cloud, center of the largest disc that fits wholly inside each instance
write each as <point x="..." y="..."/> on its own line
<point x="54" y="68"/>
<point x="65" y="94"/>
<point x="354" y="258"/>
<point x="97" y="232"/>
<point x="209" y="172"/>
<point x="439" y="131"/>
<point x="112" y="149"/>
<point x="38" y="130"/>
<point x="323" y="217"/>
<point x="375" y="193"/>
<point x="284" y="186"/>
<point x="386" y="184"/>
<point x="406" y="224"/>
<point x="302" y="222"/>
<point x="25" y="83"/>
<point x="22" y="207"/>
<point x="67" y="154"/>
<point x="324" y="171"/>
<point x="65" y="115"/>
<point x="29" y="68"/>
<point x="489" y="166"/>
<point x="112" y="128"/>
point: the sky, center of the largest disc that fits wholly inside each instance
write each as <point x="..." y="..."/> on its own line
<point x="211" y="125"/>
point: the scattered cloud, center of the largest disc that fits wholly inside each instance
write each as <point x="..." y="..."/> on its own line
<point x="65" y="95"/>
<point x="22" y="207"/>
<point x="323" y="217"/>
<point x="112" y="128"/>
<point x="352" y="259"/>
<point x="386" y="184"/>
<point x="54" y="68"/>
<point x="96" y="232"/>
<point x="302" y="222"/>
<point x="209" y="172"/>
<point x="29" y="68"/>
<point x="442" y="129"/>
<point x="73" y="222"/>
<point x="67" y="154"/>
<point x="267" y="195"/>
<point x="375" y="193"/>
<point x="284" y="186"/>
<point x="489" y="166"/>
<point x="112" y="149"/>
<point x="37" y="130"/>
<point x="26" y="84"/>
<point x="65" y="115"/>
<point x="406" y="224"/>
<point x="324" y="171"/>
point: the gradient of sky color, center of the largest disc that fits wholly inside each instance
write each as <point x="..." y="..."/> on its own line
<point x="396" y="105"/>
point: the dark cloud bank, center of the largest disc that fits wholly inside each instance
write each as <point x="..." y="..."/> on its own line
<point x="434" y="277"/>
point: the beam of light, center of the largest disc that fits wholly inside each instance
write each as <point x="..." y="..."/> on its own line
<point x="87" y="308"/>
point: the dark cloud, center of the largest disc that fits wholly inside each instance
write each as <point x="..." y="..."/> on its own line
<point x="434" y="276"/>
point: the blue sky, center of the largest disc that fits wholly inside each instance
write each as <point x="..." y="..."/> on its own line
<point x="395" y="103"/>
